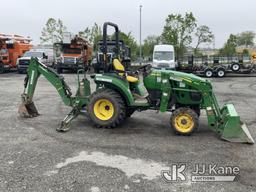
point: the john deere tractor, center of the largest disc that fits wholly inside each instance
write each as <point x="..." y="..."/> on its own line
<point x="120" y="92"/>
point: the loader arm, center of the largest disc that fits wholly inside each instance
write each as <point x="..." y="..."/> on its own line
<point x="225" y="121"/>
<point x="210" y="103"/>
<point x="36" y="69"/>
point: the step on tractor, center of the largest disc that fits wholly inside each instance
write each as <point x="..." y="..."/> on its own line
<point x="120" y="92"/>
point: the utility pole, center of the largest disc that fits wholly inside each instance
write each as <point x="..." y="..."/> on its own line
<point x="140" y="36"/>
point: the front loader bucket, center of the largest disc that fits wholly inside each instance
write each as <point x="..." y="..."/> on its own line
<point x="28" y="110"/>
<point x="233" y="129"/>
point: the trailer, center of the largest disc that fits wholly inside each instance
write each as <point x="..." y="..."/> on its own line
<point x="217" y="66"/>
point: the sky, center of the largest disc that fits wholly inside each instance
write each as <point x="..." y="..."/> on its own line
<point x="28" y="17"/>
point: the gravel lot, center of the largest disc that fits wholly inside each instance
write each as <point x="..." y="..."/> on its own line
<point x="34" y="157"/>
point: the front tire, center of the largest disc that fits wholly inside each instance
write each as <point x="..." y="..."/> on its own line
<point x="106" y="108"/>
<point x="235" y="67"/>
<point x="184" y="121"/>
<point x="208" y="73"/>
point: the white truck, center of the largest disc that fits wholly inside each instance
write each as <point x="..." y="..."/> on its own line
<point x="23" y="62"/>
<point x="164" y="57"/>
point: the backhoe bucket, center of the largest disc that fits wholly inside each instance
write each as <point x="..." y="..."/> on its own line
<point x="28" y="110"/>
<point x="233" y="129"/>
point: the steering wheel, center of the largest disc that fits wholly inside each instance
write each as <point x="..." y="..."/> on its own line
<point x="144" y="67"/>
<point x="86" y="65"/>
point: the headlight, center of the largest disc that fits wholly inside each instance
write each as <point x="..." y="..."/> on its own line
<point x="154" y="64"/>
<point x="60" y="59"/>
<point x="173" y="65"/>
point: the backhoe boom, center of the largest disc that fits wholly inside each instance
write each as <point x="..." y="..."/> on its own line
<point x="34" y="71"/>
<point x="77" y="102"/>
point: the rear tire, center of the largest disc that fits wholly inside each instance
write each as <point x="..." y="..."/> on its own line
<point x="1" y="68"/>
<point x="129" y="112"/>
<point x="184" y="121"/>
<point x="59" y="70"/>
<point x="208" y="72"/>
<point x="221" y="72"/>
<point x="235" y="67"/>
<point x="106" y="108"/>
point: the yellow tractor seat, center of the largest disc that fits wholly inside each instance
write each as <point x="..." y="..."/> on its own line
<point x="132" y="79"/>
<point x="120" y="68"/>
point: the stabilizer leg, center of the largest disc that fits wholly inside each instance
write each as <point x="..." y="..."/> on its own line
<point x="65" y="124"/>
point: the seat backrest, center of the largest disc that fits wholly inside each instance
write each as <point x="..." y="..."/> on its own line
<point x="118" y="66"/>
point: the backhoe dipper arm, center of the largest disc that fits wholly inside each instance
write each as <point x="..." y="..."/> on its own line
<point x="36" y="69"/>
<point x="27" y="108"/>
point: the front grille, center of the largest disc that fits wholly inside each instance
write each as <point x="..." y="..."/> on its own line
<point x="24" y="62"/>
<point x="69" y="60"/>
<point x="163" y="65"/>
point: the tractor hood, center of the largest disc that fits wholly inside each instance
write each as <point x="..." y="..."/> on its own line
<point x="187" y="76"/>
<point x="24" y="58"/>
<point x="179" y="76"/>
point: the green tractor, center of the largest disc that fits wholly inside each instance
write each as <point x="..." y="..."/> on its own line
<point x="120" y="92"/>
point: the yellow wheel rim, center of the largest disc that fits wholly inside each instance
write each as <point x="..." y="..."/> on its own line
<point x="184" y="123"/>
<point x="103" y="109"/>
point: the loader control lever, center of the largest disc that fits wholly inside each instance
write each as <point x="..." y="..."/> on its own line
<point x="144" y="67"/>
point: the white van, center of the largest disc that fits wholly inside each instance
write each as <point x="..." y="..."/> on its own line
<point x="163" y="57"/>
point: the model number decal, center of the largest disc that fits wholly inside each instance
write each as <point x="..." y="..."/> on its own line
<point x="175" y="78"/>
<point x="182" y="84"/>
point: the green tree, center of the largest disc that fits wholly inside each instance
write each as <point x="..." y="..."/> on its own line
<point x="148" y="45"/>
<point x="246" y="52"/>
<point x="53" y="31"/>
<point x="178" y="31"/>
<point x="92" y="35"/>
<point x="85" y="34"/>
<point x="246" y="38"/>
<point x="129" y="41"/>
<point x="203" y="35"/>
<point x="229" y="48"/>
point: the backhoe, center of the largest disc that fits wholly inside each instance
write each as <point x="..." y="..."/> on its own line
<point x="120" y="92"/>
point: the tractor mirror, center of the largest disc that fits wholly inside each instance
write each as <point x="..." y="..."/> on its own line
<point x="102" y="48"/>
<point x="115" y="50"/>
<point x="45" y="56"/>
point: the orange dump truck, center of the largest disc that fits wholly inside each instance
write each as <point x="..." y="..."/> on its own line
<point x="72" y="53"/>
<point x="254" y="57"/>
<point x="11" y="48"/>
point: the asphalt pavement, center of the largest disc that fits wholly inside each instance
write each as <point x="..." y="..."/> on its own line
<point x="132" y="157"/>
